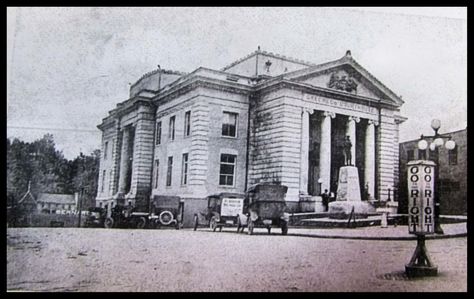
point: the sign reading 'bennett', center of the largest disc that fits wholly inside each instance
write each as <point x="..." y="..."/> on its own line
<point x="421" y="197"/>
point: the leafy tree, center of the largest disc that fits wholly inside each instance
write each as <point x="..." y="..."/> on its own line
<point x="86" y="175"/>
<point x="48" y="171"/>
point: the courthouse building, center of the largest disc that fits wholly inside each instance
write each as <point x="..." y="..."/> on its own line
<point x="263" y="118"/>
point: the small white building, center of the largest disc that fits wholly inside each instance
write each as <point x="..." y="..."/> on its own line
<point x="57" y="203"/>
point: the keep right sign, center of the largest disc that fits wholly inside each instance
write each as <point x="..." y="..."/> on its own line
<point x="421" y="197"/>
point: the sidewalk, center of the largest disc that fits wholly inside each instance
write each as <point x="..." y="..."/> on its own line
<point x="391" y="232"/>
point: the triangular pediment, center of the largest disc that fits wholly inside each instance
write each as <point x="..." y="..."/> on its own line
<point x="345" y="75"/>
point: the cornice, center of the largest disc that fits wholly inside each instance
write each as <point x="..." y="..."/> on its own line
<point x="331" y="93"/>
<point x="201" y="81"/>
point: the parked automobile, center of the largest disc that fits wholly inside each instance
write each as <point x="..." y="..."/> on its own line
<point x="167" y="211"/>
<point x="126" y="217"/>
<point x="267" y="207"/>
<point x="95" y="217"/>
<point x="223" y="209"/>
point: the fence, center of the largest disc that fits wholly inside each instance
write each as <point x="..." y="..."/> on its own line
<point x="47" y="220"/>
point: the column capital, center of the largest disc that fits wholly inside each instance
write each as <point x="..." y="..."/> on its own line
<point x="354" y="118"/>
<point x="373" y="122"/>
<point x="329" y="113"/>
<point x="308" y="110"/>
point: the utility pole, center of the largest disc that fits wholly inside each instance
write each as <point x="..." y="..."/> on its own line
<point x="80" y="206"/>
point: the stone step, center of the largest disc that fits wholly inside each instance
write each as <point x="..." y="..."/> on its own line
<point x="321" y="220"/>
<point x="340" y="223"/>
<point x="327" y="222"/>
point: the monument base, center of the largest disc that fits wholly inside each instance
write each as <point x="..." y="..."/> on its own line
<point x="343" y="209"/>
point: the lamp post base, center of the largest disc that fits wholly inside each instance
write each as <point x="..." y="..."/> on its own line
<point x="420" y="271"/>
<point x="420" y="263"/>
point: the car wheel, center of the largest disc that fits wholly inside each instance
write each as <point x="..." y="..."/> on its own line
<point x="166" y="217"/>
<point x="213" y="223"/>
<point x="109" y="222"/>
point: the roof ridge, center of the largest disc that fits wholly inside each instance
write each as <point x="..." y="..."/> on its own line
<point x="240" y="60"/>
<point x="163" y="71"/>
<point x="376" y="80"/>
<point x="275" y="55"/>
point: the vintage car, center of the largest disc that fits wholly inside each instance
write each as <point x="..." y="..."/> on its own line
<point x="95" y="217"/>
<point x="126" y="217"/>
<point x="267" y="207"/>
<point x="223" y="209"/>
<point x="166" y="211"/>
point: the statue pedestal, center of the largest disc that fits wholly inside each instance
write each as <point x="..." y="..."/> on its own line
<point x="348" y="196"/>
<point x="343" y="209"/>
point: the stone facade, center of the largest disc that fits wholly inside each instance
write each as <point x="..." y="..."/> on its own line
<point x="263" y="118"/>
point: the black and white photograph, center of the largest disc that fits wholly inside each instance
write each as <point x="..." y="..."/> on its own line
<point x="236" y="149"/>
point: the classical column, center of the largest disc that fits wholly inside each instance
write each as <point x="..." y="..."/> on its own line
<point x="325" y="150"/>
<point x="369" y="169"/>
<point x="351" y="132"/>
<point x="124" y="157"/>
<point x="304" y="162"/>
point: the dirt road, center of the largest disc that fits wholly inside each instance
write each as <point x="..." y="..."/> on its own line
<point x="72" y="259"/>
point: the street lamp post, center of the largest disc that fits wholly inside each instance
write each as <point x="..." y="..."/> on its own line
<point x="80" y="207"/>
<point x="320" y="182"/>
<point x="437" y="140"/>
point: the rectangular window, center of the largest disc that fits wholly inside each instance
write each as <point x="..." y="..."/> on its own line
<point x="103" y="181"/>
<point x="410" y="155"/>
<point x="229" y="124"/>
<point x="184" y="170"/>
<point x="106" y="148"/>
<point x="169" y="171"/>
<point x="453" y="156"/>
<point x="110" y="178"/>
<point x="158" y="133"/>
<point x="422" y="155"/>
<point x="171" y="127"/>
<point x="157" y="172"/>
<point x="187" y="123"/>
<point x="227" y="170"/>
<point x="113" y="148"/>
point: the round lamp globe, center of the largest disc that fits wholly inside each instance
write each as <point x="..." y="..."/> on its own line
<point x="450" y="144"/>
<point x="422" y="144"/>
<point x="439" y="141"/>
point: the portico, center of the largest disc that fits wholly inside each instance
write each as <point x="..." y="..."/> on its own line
<point x="321" y="144"/>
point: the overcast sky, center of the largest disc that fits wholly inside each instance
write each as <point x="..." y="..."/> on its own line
<point x="67" y="67"/>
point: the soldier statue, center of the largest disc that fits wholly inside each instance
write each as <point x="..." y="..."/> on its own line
<point x="347" y="151"/>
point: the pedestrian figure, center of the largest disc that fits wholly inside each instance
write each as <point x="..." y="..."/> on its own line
<point x="347" y="151"/>
<point x="325" y="197"/>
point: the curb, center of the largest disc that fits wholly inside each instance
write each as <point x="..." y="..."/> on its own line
<point x="405" y="238"/>
<point x="373" y="238"/>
